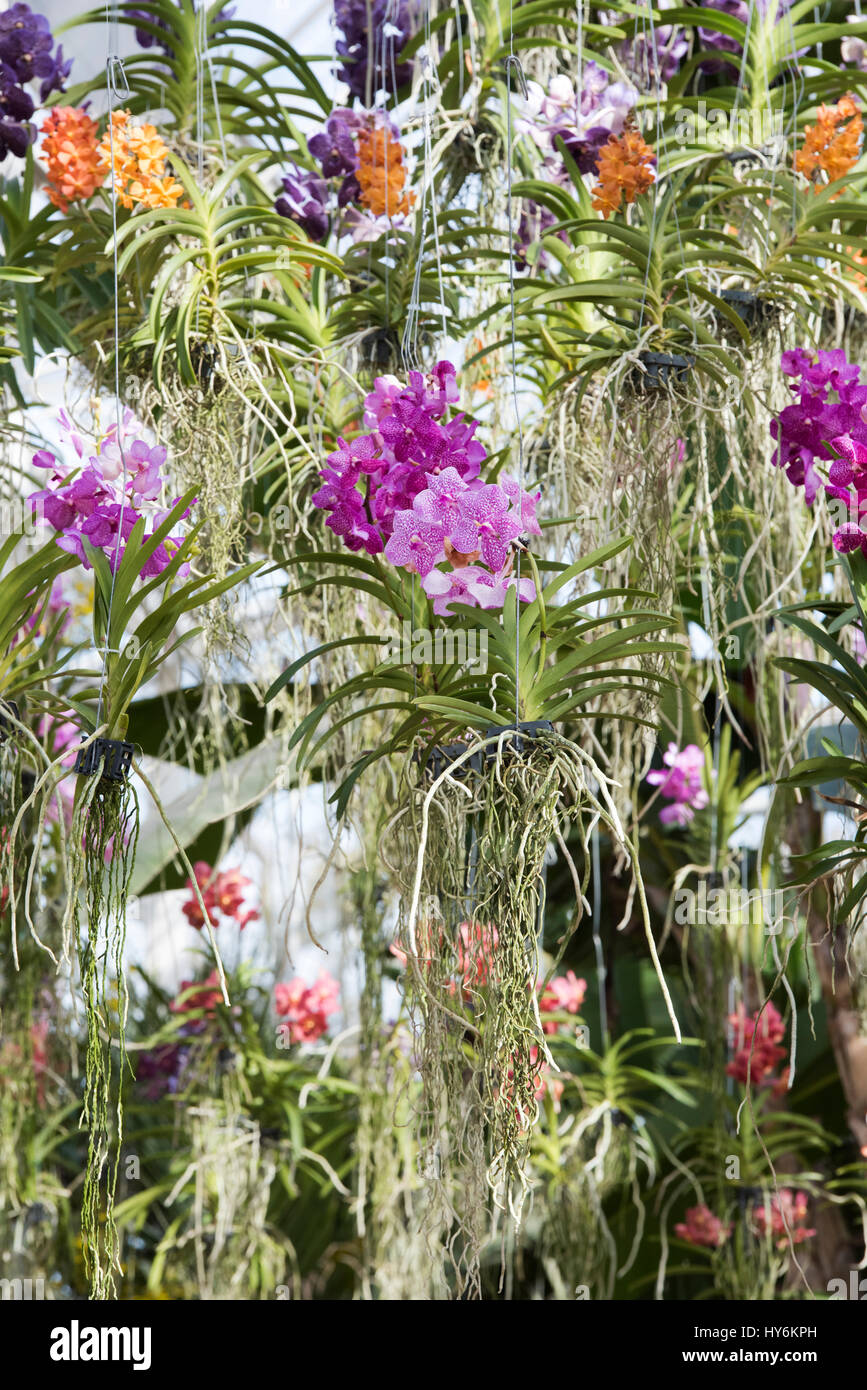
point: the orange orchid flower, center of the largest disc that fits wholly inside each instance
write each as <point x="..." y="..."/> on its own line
<point x="381" y="174"/>
<point x="140" y="156"/>
<point x="70" y="153"/>
<point x="832" y="145"/>
<point x="625" y="170"/>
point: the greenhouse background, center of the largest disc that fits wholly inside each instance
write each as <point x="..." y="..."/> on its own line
<point x="433" y="587"/>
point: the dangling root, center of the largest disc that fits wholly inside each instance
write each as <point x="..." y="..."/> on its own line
<point x="105" y="826"/>
<point x="474" y="852"/>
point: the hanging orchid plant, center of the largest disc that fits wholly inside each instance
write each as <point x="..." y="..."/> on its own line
<point x="100" y="511"/>
<point x="432" y="542"/>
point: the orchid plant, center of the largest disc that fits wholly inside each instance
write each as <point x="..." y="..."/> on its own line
<point x="99" y="510"/>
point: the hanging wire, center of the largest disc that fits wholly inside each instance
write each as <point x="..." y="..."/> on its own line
<point x="799" y="90"/>
<point x="766" y="226"/>
<point x="201" y="45"/>
<point x="201" y="49"/>
<point x="514" y="63"/>
<point x="647" y="14"/>
<point x="409" y="346"/>
<point x="654" y="206"/>
<point x="430" y="74"/>
<point x="579" y="84"/>
<point x="820" y="14"/>
<point x="601" y="968"/>
<point x="743" y="63"/>
<point x="385" y="142"/>
<point x="207" y="58"/>
<point x="117" y="88"/>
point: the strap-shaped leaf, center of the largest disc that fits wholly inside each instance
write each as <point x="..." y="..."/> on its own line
<point x="291" y="671"/>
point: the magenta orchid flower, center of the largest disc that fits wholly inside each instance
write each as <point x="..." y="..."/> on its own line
<point x="439" y="502"/>
<point x="411" y="485"/>
<point x="103" y="502"/>
<point x="681" y="784"/>
<point x="485" y="525"/>
<point x="415" y="544"/>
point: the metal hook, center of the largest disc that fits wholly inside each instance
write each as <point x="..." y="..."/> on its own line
<point x="114" y="68"/>
<point x="513" y="62"/>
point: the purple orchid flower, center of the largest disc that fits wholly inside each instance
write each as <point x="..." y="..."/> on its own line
<point x="304" y="200"/>
<point x="415" y="544"/>
<point x="439" y="503"/>
<point x="102" y="503"/>
<point x="334" y="146"/>
<point x="485" y="525"/>
<point x="374" y="32"/>
<point x="681" y="783"/>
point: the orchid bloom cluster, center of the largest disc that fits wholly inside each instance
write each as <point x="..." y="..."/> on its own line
<point x="681" y="784"/>
<point x="364" y="152"/>
<point x="77" y="162"/>
<point x="547" y="1083"/>
<point x="88" y="502"/>
<point x="14" y="1059"/>
<point x="583" y="120"/>
<point x="854" y="50"/>
<point x="832" y="146"/>
<point x="597" y="129"/>
<point x="26" y="56"/>
<point x="196" y="996"/>
<point x="757" y="1048"/>
<point x="423" y="502"/>
<point x="476" y="950"/>
<point x="160" y="1070"/>
<point x="830" y="409"/>
<point x="57" y="603"/>
<point x="70" y="152"/>
<point x="788" y="1212"/>
<point x="701" y="1227"/>
<point x="163" y="1070"/>
<point x="477" y="945"/>
<point x="535" y="223"/>
<point x="223" y="895"/>
<point x="784" y="1215"/>
<point x="137" y="155"/>
<point x="374" y="32"/>
<point x="626" y="170"/>
<point x="563" y="994"/>
<point x="306" y="1008"/>
<point x="61" y="738"/>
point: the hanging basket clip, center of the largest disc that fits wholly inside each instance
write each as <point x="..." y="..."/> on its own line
<point x="445" y="755"/>
<point x="660" y="367"/>
<point x="520" y="736"/>
<point x="110" y="757"/>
